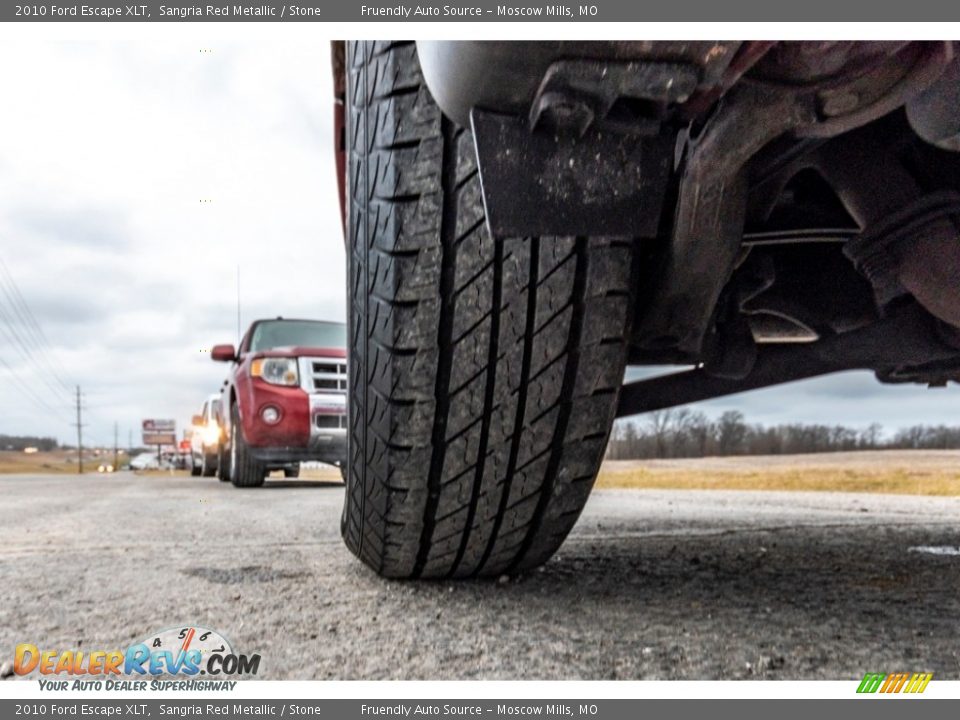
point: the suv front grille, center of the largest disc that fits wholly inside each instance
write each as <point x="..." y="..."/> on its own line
<point x="328" y="376"/>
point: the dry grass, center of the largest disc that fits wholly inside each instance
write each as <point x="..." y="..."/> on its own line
<point x="916" y="472"/>
<point x="59" y="461"/>
<point x="65" y="462"/>
<point x="52" y="463"/>
<point x="327" y="473"/>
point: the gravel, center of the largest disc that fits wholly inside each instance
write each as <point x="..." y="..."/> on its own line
<point x="650" y="585"/>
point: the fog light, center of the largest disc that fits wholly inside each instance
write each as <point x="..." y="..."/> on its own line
<point x="270" y="415"/>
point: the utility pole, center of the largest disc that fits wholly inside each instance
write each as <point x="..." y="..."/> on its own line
<point x="116" y="449"/>
<point x="79" y="435"/>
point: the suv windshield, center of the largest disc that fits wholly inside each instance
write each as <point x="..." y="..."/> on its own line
<point x="271" y="334"/>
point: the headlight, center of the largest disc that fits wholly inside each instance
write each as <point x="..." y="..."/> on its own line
<point x="277" y="371"/>
<point x="211" y="434"/>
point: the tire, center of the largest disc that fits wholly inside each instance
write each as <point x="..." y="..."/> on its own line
<point x="194" y="468"/>
<point x="292" y="471"/>
<point x="244" y="470"/>
<point x="490" y="369"/>
<point x="208" y="468"/>
<point x="223" y="464"/>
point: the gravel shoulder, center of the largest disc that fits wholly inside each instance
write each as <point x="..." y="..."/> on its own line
<point x="652" y="584"/>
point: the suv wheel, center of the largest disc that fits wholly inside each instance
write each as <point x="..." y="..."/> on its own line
<point x="223" y="464"/>
<point x="207" y="467"/>
<point x="491" y="367"/>
<point x="244" y="470"/>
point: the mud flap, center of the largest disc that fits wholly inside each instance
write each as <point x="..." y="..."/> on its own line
<point x="541" y="183"/>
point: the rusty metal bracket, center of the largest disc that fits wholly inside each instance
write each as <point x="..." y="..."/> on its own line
<point x="576" y="94"/>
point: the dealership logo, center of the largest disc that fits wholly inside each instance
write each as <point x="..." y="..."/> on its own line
<point x="183" y="651"/>
<point x="913" y="683"/>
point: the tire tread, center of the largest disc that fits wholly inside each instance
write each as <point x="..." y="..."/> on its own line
<point x="485" y="373"/>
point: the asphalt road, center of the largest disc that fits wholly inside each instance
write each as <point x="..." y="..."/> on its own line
<point x="651" y="584"/>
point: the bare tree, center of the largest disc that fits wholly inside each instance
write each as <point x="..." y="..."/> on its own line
<point x="659" y="423"/>
<point x="870" y="436"/>
<point x="731" y="432"/>
<point x="684" y="433"/>
<point x="701" y="432"/>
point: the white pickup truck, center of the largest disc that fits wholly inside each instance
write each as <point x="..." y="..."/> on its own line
<point x="206" y="441"/>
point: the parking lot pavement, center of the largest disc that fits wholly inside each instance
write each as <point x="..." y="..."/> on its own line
<point x="650" y="585"/>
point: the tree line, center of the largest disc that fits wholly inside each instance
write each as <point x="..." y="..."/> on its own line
<point x="19" y="442"/>
<point x="683" y="433"/>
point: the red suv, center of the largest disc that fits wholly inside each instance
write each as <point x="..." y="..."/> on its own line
<point x="285" y="399"/>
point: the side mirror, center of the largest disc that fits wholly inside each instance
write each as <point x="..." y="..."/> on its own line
<point x="223" y="353"/>
<point x="197" y="420"/>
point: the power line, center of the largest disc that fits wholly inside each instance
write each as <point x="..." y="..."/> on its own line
<point x="33" y="332"/>
<point x="21" y="330"/>
<point x="13" y="338"/>
<point x="29" y="393"/>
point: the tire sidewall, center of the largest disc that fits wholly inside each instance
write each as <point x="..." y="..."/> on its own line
<point x="241" y="464"/>
<point x="223" y="464"/>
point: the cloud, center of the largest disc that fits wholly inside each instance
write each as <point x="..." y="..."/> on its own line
<point x="59" y="227"/>
<point x="107" y="149"/>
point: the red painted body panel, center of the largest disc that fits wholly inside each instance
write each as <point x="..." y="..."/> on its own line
<point x="253" y="394"/>
<point x="293" y="428"/>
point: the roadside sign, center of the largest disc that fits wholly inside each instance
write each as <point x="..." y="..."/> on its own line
<point x="159" y="432"/>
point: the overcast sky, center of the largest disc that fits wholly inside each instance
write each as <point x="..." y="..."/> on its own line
<point x="107" y="150"/>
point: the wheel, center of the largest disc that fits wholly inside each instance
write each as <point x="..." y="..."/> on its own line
<point x="292" y="471"/>
<point x="343" y="474"/>
<point x="208" y="467"/>
<point x="223" y="464"/>
<point x="491" y="367"/>
<point x="194" y="468"/>
<point x="245" y="471"/>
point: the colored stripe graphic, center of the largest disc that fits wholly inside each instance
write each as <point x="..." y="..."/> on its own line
<point x="871" y="682"/>
<point x="918" y="683"/>
<point x="894" y="682"/>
